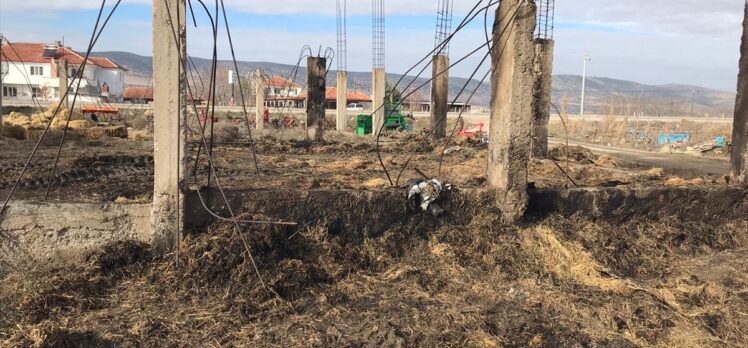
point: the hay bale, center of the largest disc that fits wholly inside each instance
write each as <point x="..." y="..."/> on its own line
<point x="80" y="124"/>
<point x="17" y="119"/>
<point x="93" y="133"/>
<point x="15" y="131"/>
<point x="75" y="124"/>
<point x="116" y="132"/>
<point x="52" y="138"/>
<point x="139" y="135"/>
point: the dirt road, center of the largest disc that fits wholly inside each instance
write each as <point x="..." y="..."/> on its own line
<point x="674" y="164"/>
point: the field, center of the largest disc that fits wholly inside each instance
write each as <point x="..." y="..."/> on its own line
<point x="469" y="281"/>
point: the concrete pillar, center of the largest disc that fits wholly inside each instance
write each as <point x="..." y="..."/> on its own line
<point x="541" y="104"/>
<point x="378" y="93"/>
<point x="511" y="106"/>
<point x="739" y="155"/>
<point x="315" y="104"/>
<point x="259" y="98"/>
<point x="169" y="133"/>
<point x="1" y="85"/>
<point x="341" y="120"/>
<point x="62" y="77"/>
<point x="439" y="95"/>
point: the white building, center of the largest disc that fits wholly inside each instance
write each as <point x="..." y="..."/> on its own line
<point x="31" y="70"/>
<point x="280" y="92"/>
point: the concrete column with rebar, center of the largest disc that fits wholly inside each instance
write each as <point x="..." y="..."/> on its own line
<point x="439" y="95"/>
<point x="259" y="99"/>
<point x="739" y="155"/>
<point x="315" y="104"/>
<point x="341" y="118"/>
<point x="541" y="104"/>
<point x="2" y="76"/>
<point x="378" y="91"/>
<point x="511" y="106"/>
<point x="62" y="81"/>
<point x="169" y="49"/>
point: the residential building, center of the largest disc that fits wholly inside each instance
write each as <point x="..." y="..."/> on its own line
<point x="280" y="92"/>
<point x="31" y="70"/>
<point x="331" y="93"/>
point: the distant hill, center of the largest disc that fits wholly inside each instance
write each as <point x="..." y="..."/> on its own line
<point x="603" y="95"/>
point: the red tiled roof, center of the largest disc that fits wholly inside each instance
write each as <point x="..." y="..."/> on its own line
<point x="138" y="93"/>
<point x="331" y="94"/>
<point x="277" y="81"/>
<point x="105" y="63"/>
<point x="24" y="52"/>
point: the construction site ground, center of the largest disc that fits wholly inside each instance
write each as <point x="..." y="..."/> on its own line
<point x="113" y="169"/>
<point x="470" y="281"/>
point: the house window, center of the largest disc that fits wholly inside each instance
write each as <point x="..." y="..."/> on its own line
<point x="36" y="92"/>
<point x="37" y="71"/>
<point x="10" y="92"/>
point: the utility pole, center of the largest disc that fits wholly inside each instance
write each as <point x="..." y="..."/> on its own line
<point x="587" y="59"/>
<point x="693" y="101"/>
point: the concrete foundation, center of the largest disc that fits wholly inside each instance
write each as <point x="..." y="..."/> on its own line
<point x="541" y="103"/>
<point x="378" y="91"/>
<point x="53" y="234"/>
<point x="511" y="106"/>
<point x="341" y="117"/>
<point x="315" y="104"/>
<point x="439" y="95"/>
<point x="169" y="133"/>
<point x="62" y="77"/>
<point x="739" y="156"/>
<point x="50" y="234"/>
<point x="259" y="98"/>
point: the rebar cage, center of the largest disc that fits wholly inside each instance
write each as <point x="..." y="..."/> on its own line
<point x="443" y="25"/>
<point x="544" y="27"/>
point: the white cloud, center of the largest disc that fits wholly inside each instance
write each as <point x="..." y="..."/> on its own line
<point x="690" y="17"/>
<point x="652" y="41"/>
<point x="58" y="5"/>
<point x="325" y="7"/>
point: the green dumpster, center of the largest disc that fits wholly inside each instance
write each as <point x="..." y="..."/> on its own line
<point x="363" y="124"/>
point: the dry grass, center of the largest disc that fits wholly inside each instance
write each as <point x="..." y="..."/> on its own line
<point x="561" y="282"/>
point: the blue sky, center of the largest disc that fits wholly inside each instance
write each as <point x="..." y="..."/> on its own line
<point x="650" y="41"/>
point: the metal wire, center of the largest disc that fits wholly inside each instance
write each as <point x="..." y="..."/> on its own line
<point x="468" y="18"/>
<point x="444" y="117"/>
<point x="49" y="123"/>
<point x="94" y="38"/>
<point x="233" y="219"/>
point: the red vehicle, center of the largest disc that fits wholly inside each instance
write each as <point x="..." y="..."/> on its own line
<point x="100" y="113"/>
